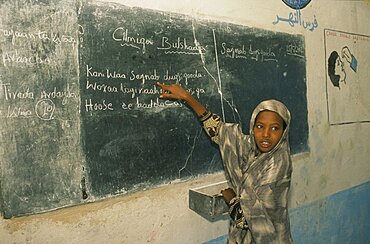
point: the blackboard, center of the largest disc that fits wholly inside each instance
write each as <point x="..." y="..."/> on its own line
<point x="41" y="159"/>
<point x="96" y="127"/>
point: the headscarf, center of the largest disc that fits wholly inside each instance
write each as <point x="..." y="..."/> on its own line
<point x="262" y="180"/>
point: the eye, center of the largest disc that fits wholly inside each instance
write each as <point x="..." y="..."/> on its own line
<point x="275" y="128"/>
<point x="258" y="126"/>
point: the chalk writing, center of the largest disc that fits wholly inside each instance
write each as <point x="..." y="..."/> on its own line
<point x="45" y="109"/>
<point x="64" y="95"/>
<point x="97" y="81"/>
<point x="101" y="87"/>
<point x="103" y="105"/>
<point x="137" y="91"/>
<point x="122" y="36"/>
<point x="154" y="90"/>
<point x="233" y="52"/>
<point x="180" y="46"/>
<point x="156" y="103"/>
<point x="262" y="55"/>
<point x="179" y="76"/>
<point x="90" y="72"/>
<point x="144" y="77"/>
<point x="9" y="94"/>
<point x="115" y="75"/>
<point x="56" y="38"/>
<point x="19" y="36"/>
<point x="127" y="106"/>
<point x="15" y="58"/>
<point x="18" y="112"/>
<point x="295" y="50"/>
<point x="240" y="52"/>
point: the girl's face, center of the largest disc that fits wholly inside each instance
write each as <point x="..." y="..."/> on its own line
<point x="268" y="129"/>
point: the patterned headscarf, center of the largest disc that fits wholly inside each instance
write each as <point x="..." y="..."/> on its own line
<point x="279" y="108"/>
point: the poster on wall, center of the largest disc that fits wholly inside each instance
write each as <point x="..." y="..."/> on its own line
<point x="347" y="58"/>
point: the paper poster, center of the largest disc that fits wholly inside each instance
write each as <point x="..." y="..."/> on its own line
<point x="347" y="77"/>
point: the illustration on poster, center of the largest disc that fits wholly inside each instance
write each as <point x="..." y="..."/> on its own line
<point x="336" y="70"/>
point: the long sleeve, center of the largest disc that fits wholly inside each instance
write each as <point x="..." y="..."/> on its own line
<point x="211" y="123"/>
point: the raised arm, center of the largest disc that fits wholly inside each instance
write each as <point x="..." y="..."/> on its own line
<point x="175" y="91"/>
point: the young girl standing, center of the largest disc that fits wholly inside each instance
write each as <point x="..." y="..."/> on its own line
<point x="258" y="167"/>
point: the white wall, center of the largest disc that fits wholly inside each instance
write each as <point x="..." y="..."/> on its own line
<point x="338" y="158"/>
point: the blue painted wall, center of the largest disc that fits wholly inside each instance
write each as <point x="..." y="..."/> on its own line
<point x="340" y="218"/>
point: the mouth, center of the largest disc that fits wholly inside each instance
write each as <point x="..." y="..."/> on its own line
<point x="265" y="144"/>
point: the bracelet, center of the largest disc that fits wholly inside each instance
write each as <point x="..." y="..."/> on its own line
<point x="206" y="115"/>
<point x="233" y="200"/>
<point x="236" y="213"/>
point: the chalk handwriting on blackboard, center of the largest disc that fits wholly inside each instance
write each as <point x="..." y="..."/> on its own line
<point x="242" y="53"/>
<point x="101" y="105"/>
<point x="295" y="50"/>
<point x="44" y="106"/>
<point x="11" y="94"/>
<point x="180" y="46"/>
<point x="45" y="109"/>
<point x="65" y="95"/>
<point x="99" y="81"/>
<point x="16" y="36"/>
<point x="123" y="36"/>
<point x="14" y="57"/>
<point x="90" y="72"/>
<point x="18" y="112"/>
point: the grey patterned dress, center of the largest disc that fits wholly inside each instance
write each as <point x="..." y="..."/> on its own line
<point x="261" y="181"/>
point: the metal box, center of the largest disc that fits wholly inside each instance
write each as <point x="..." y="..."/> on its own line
<point x="208" y="202"/>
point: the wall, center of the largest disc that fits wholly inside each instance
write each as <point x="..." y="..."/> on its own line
<point x="338" y="160"/>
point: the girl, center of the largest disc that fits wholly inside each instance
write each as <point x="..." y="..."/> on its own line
<point x="258" y="167"/>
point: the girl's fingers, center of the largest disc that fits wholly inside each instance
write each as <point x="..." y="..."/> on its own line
<point x="163" y="86"/>
<point x="169" y="91"/>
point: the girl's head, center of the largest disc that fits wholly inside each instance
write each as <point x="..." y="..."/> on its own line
<point x="268" y="129"/>
<point x="269" y="125"/>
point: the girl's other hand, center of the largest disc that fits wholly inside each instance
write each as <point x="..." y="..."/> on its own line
<point x="228" y="194"/>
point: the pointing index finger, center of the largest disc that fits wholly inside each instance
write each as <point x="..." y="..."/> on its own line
<point x="163" y="86"/>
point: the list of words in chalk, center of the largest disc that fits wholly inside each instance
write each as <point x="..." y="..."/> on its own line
<point x="38" y="66"/>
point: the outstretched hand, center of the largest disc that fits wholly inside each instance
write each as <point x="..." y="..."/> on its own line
<point x="173" y="91"/>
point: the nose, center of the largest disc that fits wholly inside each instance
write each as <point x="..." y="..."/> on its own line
<point x="266" y="133"/>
